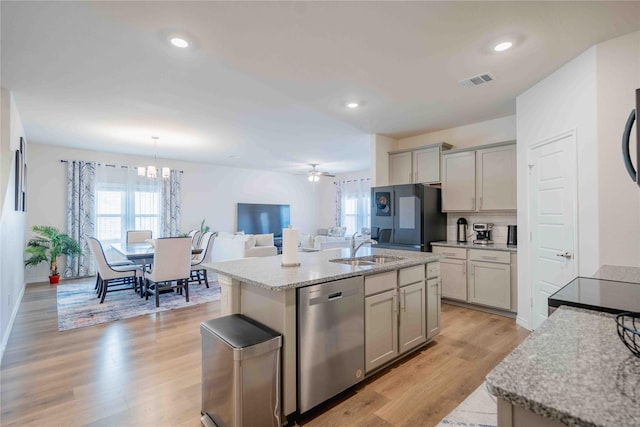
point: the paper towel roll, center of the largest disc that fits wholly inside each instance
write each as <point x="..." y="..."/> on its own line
<point x="290" y="246"/>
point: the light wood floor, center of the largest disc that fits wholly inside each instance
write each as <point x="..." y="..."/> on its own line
<point x="146" y="371"/>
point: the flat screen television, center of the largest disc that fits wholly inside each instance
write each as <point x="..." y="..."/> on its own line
<point x="256" y="218"/>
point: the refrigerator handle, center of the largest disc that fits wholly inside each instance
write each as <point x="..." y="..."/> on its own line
<point x="626" y="156"/>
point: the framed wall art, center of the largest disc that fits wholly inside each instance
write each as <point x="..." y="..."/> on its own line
<point x="383" y="203"/>
<point x="21" y="177"/>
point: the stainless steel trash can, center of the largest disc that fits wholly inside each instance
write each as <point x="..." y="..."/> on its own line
<point x="240" y="373"/>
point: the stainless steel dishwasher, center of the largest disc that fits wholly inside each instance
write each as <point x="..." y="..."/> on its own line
<point x="330" y="339"/>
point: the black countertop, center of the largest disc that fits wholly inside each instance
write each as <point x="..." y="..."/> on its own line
<point x="598" y="294"/>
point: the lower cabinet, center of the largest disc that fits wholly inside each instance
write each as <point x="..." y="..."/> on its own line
<point x="401" y="312"/>
<point x="479" y="276"/>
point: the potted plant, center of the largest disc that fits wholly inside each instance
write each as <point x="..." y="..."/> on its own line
<point x="48" y="245"/>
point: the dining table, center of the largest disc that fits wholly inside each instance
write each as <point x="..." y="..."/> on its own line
<point x="141" y="253"/>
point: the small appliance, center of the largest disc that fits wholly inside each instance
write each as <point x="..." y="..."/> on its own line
<point x="512" y="235"/>
<point x="462" y="230"/>
<point x="483" y="233"/>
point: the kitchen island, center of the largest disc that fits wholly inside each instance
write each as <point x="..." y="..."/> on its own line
<point x="573" y="370"/>
<point x="267" y="292"/>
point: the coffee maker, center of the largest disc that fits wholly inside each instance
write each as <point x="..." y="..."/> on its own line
<point x="483" y="233"/>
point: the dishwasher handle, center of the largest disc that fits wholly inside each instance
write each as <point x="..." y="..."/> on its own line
<point x="325" y="298"/>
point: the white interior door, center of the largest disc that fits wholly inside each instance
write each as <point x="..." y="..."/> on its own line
<point x="552" y="215"/>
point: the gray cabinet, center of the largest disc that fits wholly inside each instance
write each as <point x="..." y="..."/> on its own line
<point x="413" y="324"/>
<point x="381" y="329"/>
<point x="459" y="182"/>
<point x="416" y="166"/>
<point x="453" y="273"/>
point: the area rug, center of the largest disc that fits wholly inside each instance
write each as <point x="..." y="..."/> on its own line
<point x="480" y="409"/>
<point x="78" y="305"/>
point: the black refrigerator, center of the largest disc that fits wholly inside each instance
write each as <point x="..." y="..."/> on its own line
<point x="407" y="217"/>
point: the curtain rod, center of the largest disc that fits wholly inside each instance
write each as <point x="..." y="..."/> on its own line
<point x="105" y="165"/>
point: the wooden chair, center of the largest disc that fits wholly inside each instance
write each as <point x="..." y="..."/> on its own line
<point x="112" y="278"/>
<point x="171" y="267"/>
<point x="138" y="236"/>
<point x="199" y="273"/>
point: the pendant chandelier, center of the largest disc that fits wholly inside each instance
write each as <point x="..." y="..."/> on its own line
<point x="152" y="171"/>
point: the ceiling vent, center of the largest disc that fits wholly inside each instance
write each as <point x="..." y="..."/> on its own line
<point x="477" y="80"/>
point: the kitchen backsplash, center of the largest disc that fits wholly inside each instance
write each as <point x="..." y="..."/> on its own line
<point x="500" y="220"/>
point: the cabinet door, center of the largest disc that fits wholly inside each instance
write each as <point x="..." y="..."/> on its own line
<point x="381" y="329"/>
<point x="496" y="178"/>
<point x="413" y="325"/>
<point x="490" y="284"/>
<point x="434" y="292"/>
<point x="453" y="273"/>
<point x="426" y="165"/>
<point x="400" y="168"/>
<point x="459" y="182"/>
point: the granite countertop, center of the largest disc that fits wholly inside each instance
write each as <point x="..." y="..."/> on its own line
<point x="314" y="268"/>
<point x="618" y="273"/>
<point x="573" y="369"/>
<point x="470" y="245"/>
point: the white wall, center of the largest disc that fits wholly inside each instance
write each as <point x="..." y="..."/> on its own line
<point x="563" y="101"/>
<point x="472" y="135"/>
<point x="328" y="195"/>
<point x="380" y="147"/>
<point x="208" y="191"/>
<point x="12" y="223"/>
<point x="618" y="67"/>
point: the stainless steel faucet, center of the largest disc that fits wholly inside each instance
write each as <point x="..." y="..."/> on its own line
<point x="354" y="248"/>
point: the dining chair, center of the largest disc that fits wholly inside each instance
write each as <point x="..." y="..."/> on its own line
<point x="118" y="278"/>
<point x="138" y="236"/>
<point x="198" y="272"/>
<point x="171" y="267"/>
<point x="195" y="237"/>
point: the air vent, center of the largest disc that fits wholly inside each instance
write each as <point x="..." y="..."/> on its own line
<point x="477" y="80"/>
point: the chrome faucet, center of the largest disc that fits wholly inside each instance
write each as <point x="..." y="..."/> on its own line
<point x="354" y="248"/>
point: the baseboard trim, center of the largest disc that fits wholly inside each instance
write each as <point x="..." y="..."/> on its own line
<point x="14" y="313"/>
<point x="480" y="308"/>
<point x="523" y="322"/>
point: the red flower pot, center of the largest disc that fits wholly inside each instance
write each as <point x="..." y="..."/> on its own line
<point x="54" y="280"/>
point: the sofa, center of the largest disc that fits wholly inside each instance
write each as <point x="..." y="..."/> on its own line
<point x="228" y="246"/>
<point x="328" y="238"/>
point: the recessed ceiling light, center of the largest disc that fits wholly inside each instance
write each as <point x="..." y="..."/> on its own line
<point x="501" y="47"/>
<point x="179" y="42"/>
<point x="352" y="104"/>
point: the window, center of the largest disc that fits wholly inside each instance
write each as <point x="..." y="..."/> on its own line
<point x="355" y="205"/>
<point x="125" y="203"/>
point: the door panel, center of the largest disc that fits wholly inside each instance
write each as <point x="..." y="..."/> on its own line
<point x="552" y="192"/>
<point x="406" y="215"/>
<point x="413" y="323"/>
<point x="459" y="182"/>
<point x="381" y="329"/>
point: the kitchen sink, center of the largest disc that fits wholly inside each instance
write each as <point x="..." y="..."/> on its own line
<point x="367" y="260"/>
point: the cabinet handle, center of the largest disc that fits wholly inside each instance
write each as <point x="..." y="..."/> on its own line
<point x="471" y="271"/>
<point x="415" y="177"/>
<point x="395" y="302"/>
<point x="464" y="269"/>
<point x="490" y="257"/>
<point x="473" y="203"/>
<point x="403" y="300"/>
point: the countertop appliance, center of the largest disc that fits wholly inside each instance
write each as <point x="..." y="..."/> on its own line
<point x="597" y="294"/>
<point x="462" y="230"/>
<point x="512" y="235"/>
<point x="483" y="233"/>
<point x="407" y="217"/>
<point x="626" y="141"/>
<point x="330" y="340"/>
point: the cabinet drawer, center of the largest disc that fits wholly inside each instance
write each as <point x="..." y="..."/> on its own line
<point x="410" y="275"/>
<point x="379" y="283"/>
<point x="489" y="256"/>
<point x="433" y="270"/>
<point x="455" y="253"/>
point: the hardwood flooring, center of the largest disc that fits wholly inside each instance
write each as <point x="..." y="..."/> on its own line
<point x="145" y="371"/>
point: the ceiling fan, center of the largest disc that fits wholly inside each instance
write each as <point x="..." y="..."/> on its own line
<point x="314" y="175"/>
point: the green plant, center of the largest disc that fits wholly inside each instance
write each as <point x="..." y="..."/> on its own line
<point x="204" y="228"/>
<point x="50" y="244"/>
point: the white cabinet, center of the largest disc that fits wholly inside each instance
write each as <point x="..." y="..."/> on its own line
<point x="478" y="276"/>
<point x="481" y="179"/>
<point x="400" y="312"/>
<point x="496" y="169"/>
<point x="416" y="166"/>
<point x="381" y="329"/>
<point x="459" y="182"/>
<point x="490" y="278"/>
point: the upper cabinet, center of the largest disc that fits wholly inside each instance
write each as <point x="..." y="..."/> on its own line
<point x="481" y="179"/>
<point x="416" y="166"/>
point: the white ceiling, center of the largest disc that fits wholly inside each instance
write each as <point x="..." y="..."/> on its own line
<point x="264" y="83"/>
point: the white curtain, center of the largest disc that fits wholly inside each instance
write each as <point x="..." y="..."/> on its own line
<point x="170" y="209"/>
<point x="81" y="178"/>
<point x="354" y="209"/>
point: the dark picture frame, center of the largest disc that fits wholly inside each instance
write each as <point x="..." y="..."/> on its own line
<point x="383" y="203"/>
